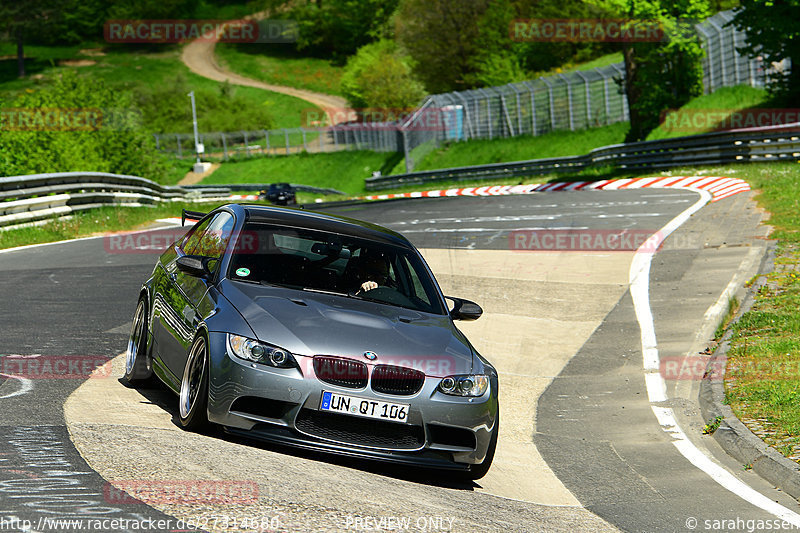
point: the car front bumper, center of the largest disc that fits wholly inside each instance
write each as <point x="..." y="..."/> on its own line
<point x="281" y="405"/>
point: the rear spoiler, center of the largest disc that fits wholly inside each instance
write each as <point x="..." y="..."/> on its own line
<point x="191" y="215"/>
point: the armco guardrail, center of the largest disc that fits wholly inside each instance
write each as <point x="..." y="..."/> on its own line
<point x="25" y="199"/>
<point x="774" y="143"/>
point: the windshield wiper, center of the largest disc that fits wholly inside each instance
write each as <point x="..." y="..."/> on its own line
<point x="334" y="293"/>
<point x="278" y="285"/>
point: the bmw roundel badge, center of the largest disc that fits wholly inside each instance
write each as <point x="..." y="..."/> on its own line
<point x="371" y="355"/>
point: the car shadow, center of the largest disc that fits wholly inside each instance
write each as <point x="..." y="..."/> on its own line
<point x="158" y="394"/>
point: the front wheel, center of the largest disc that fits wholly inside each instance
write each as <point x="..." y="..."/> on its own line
<point x="193" y="406"/>
<point x="137" y="362"/>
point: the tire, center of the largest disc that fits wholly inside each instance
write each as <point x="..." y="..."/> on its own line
<point x="138" y="367"/>
<point x="193" y="400"/>
<point x="476" y="472"/>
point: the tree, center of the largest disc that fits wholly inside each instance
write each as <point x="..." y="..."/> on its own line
<point x="22" y="19"/>
<point x="335" y="28"/>
<point x="665" y="74"/>
<point x="773" y="33"/>
<point x="544" y="56"/>
<point x="379" y="75"/>
<point x="77" y="124"/>
<point x="442" y="38"/>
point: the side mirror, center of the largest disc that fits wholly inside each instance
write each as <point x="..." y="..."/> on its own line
<point x="194" y="265"/>
<point x="464" y="309"/>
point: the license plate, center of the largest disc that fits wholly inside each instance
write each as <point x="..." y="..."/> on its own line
<point x="351" y="405"/>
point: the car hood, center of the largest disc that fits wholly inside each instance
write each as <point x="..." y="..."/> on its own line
<point x="308" y="323"/>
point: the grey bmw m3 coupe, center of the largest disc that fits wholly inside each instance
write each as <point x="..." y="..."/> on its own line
<point x="318" y="332"/>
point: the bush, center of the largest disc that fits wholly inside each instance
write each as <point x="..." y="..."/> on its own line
<point x="166" y="108"/>
<point x="115" y="143"/>
<point x="379" y="76"/>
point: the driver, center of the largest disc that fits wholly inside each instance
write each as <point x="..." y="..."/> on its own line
<point x="373" y="272"/>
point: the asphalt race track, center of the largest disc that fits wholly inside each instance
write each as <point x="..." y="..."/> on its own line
<point x="580" y="448"/>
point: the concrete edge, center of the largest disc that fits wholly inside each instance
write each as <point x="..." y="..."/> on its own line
<point x="734" y="437"/>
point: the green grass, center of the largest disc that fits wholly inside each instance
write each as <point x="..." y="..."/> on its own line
<point x="344" y="171"/>
<point x="721" y="102"/>
<point x="602" y="61"/>
<point x="555" y="144"/>
<point x="347" y="170"/>
<point x="132" y="68"/>
<point x="763" y="377"/>
<point x="279" y="64"/>
<point x="95" y="221"/>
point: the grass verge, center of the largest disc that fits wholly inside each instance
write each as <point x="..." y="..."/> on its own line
<point x="701" y="114"/>
<point x="141" y="70"/>
<point x="344" y="171"/>
<point x="281" y="65"/>
<point x="554" y="144"/>
<point x="94" y="222"/>
<point x="763" y="378"/>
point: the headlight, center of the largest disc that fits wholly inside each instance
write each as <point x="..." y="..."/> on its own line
<point x="257" y="352"/>
<point x="467" y="385"/>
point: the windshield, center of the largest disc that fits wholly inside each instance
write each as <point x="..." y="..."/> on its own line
<point x="326" y="262"/>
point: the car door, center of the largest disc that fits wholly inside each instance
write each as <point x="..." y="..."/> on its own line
<point x="185" y="295"/>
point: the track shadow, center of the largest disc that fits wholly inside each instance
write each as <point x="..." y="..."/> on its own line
<point x="157" y="394"/>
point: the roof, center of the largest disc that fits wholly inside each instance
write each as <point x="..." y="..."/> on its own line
<point x="323" y="222"/>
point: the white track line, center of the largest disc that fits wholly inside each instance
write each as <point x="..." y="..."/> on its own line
<point x="25" y="386"/>
<point x="656" y="386"/>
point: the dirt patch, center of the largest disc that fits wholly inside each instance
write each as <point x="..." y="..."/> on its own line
<point x="77" y="62"/>
<point x="191" y="178"/>
<point x="92" y="52"/>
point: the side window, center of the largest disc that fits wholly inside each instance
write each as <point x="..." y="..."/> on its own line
<point x="211" y="240"/>
<point x="194" y="237"/>
<point x="418" y="288"/>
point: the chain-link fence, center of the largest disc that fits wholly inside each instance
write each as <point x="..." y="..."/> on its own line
<point x="378" y="137"/>
<point x="723" y="65"/>
<point x="571" y="101"/>
<point x="568" y="101"/>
